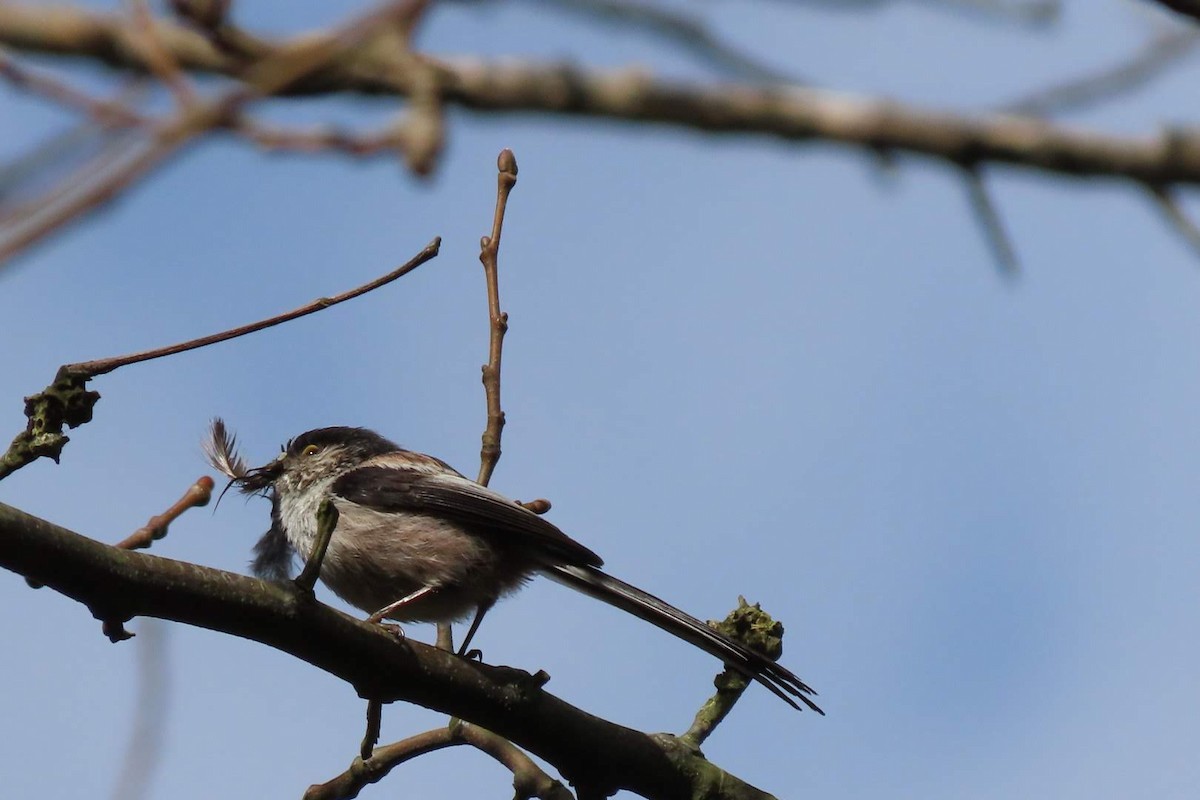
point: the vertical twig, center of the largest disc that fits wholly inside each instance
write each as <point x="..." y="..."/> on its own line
<point x="143" y="753"/>
<point x="374" y="724"/>
<point x="158" y="57"/>
<point x="327" y="517"/>
<point x="489" y="248"/>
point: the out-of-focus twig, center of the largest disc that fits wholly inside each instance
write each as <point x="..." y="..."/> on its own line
<point x="678" y="28"/>
<point x="1164" y="197"/>
<point x="988" y="217"/>
<point x="42" y="82"/>
<point x="265" y="78"/>
<point x="796" y="115"/>
<point x="1026" y="12"/>
<point x="143" y="753"/>
<point x="1188" y="8"/>
<point x="160" y="59"/>
<point x="1152" y="60"/>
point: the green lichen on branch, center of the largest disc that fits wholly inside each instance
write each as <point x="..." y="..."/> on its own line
<point x="756" y="629"/>
<point x="66" y="401"/>
<point x="706" y="779"/>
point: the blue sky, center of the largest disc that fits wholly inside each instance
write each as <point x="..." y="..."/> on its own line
<point x="735" y="366"/>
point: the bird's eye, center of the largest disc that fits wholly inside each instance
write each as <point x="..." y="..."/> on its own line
<point x="311" y="450"/>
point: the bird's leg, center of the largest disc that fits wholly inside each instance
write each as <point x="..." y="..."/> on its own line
<point x="479" y="612"/>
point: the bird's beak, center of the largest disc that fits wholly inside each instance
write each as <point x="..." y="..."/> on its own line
<point x="260" y="478"/>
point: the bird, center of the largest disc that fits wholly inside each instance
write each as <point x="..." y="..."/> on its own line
<point x="416" y="541"/>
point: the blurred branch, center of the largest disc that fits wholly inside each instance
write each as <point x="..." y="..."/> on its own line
<point x="798" y="115"/>
<point x="266" y="77"/>
<point x="1188" y="8"/>
<point x="143" y="753"/>
<point x="1175" y="216"/>
<point x="119" y="584"/>
<point x="1025" y="12"/>
<point x="990" y="222"/>
<point x="160" y="60"/>
<point x="677" y="28"/>
<point x="1155" y="57"/>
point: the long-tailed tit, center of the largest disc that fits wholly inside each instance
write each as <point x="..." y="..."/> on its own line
<point x="415" y="541"/>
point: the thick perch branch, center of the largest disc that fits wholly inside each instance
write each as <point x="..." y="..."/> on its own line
<point x="792" y="114"/>
<point x="118" y="584"/>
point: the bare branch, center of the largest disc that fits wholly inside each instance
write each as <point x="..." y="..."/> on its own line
<point x="144" y="750"/>
<point x="56" y="90"/>
<point x="1177" y="218"/>
<point x="162" y="63"/>
<point x="267" y="77"/>
<point x="105" y="365"/>
<point x="1188" y="8"/>
<point x="752" y="626"/>
<point x="529" y="780"/>
<point x="489" y="248"/>
<point x="989" y="221"/>
<point x="197" y="496"/>
<point x="371" y="736"/>
<point x="67" y="402"/>
<point x="117" y="584"/>
<point x="683" y="30"/>
<point x="800" y="115"/>
<point x="1152" y="60"/>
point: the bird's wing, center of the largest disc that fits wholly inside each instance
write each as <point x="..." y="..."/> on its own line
<point x="446" y="494"/>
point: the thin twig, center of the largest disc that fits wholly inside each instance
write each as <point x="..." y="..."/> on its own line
<point x="1164" y="197"/>
<point x="67" y="401"/>
<point x="683" y="30"/>
<point x="755" y="628"/>
<point x="106" y="365"/>
<point x="529" y="780"/>
<point x="489" y="247"/>
<point x="197" y="496"/>
<point x="374" y="723"/>
<point x="52" y="88"/>
<point x="313" y="140"/>
<point x="1029" y="12"/>
<point x="989" y="221"/>
<point x="162" y="63"/>
<point x="1150" y="62"/>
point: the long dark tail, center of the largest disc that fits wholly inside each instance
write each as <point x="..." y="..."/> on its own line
<point x="755" y="666"/>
